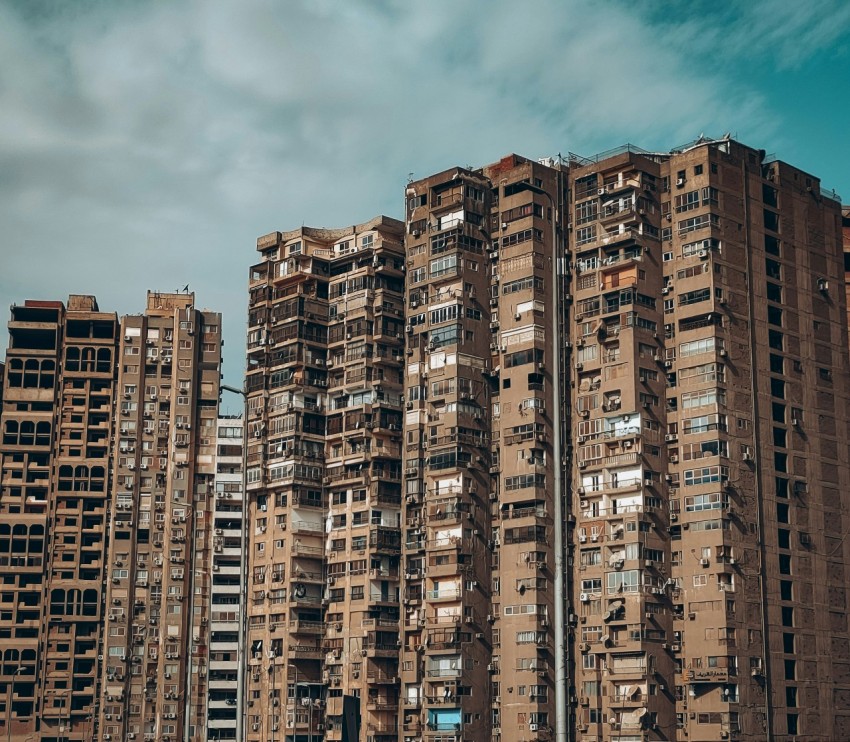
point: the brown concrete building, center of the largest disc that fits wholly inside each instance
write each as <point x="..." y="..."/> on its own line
<point x="107" y="459"/>
<point x="324" y="379"/>
<point x="480" y="460"/>
<point x="705" y="498"/>
<point x="710" y="486"/>
<point x="54" y="462"/>
<point x="155" y="655"/>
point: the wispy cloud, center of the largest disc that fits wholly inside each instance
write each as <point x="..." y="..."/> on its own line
<point x="782" y="33"/>
<point x="144" y="145"/>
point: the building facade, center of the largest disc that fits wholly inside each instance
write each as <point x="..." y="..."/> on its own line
<point x="225" y="603"/>
<point x="710" y="383"/>
<point x="54" y="465"/>
<point x="481" y="454"/>
<point x="324" y="383"/>
<point x="558" y="457"/>
<point x="155" y="682"/>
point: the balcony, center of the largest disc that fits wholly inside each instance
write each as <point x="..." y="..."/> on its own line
<point x="621" y="459"/>
<point x="450" y="594"/>
<point x="527" y="512"/>
<point x="303" y="526"/>
<point x="382" y="704"/>
<point x="297" y="626"/>
<point x="385" y="540"/>
<point x="306" y="652"/>
<point x="388" y="729"/>
<point x="307" y="549"/>
<point x="616" y="213"/>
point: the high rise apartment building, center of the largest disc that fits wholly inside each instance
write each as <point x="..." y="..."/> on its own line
<point x="324" y="384"/>
<point x="707" y="383"/>
<point x="107" y="461"/>
<point x="225" y="603"/>
<point x="560" y="456"/>
<point x="155" y="656"/>
<point x="481" y="457"/>
<point x="54" y="515"/>
<point x="709" y="388"/>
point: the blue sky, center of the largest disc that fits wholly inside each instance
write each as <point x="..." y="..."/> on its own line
<point x="145" y="145"/>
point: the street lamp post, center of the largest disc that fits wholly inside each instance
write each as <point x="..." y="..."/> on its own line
<point x="241" y="648"/>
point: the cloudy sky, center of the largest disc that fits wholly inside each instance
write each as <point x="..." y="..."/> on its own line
<point x="145" y="145"/>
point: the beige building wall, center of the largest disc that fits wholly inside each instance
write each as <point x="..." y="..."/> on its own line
<point x="708" y="479"/>
<point x="325" y="351"/>
<point x="155" y="655"/>
<point x="479" y="461"/>
<point x="54" y="464"/>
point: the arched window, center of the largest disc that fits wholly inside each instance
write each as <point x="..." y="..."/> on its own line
<point x="48" y="374"/>
<point x="15" y="372"/>
<point x="10" y="433"/>
<point x="98" y="479"/>
<point x="72" y="359"/>
<point x="81" y="478"/>
<point x="66" y="478"/>
<point x="90" y="602"/>
<point x="26" y="663"/>
<point x="87" y="363"/>
<point x="31" y="370"/>
<point x="104" y="360"/>
<point x="42" y="434"/>
<point x="26" y="436"/>
<point x="57" y="602"/>
<point x="72" y="602"/>
<point x="36" y="542"/>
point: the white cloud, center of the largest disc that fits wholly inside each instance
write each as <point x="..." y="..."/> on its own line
<point x="147" y="145"/>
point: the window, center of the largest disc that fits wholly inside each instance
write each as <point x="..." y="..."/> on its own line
<point x="695" y="347"/>
<point x="687" y="201"/>
<point x="705" y="475"/>
<point x="627" y="581"/>
<point x="585" y="235"/>
<point x="703" y="398"/>
<point x="698" y="222"/>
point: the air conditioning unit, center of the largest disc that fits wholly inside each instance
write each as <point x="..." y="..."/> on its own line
<point x="584" y="597"/>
